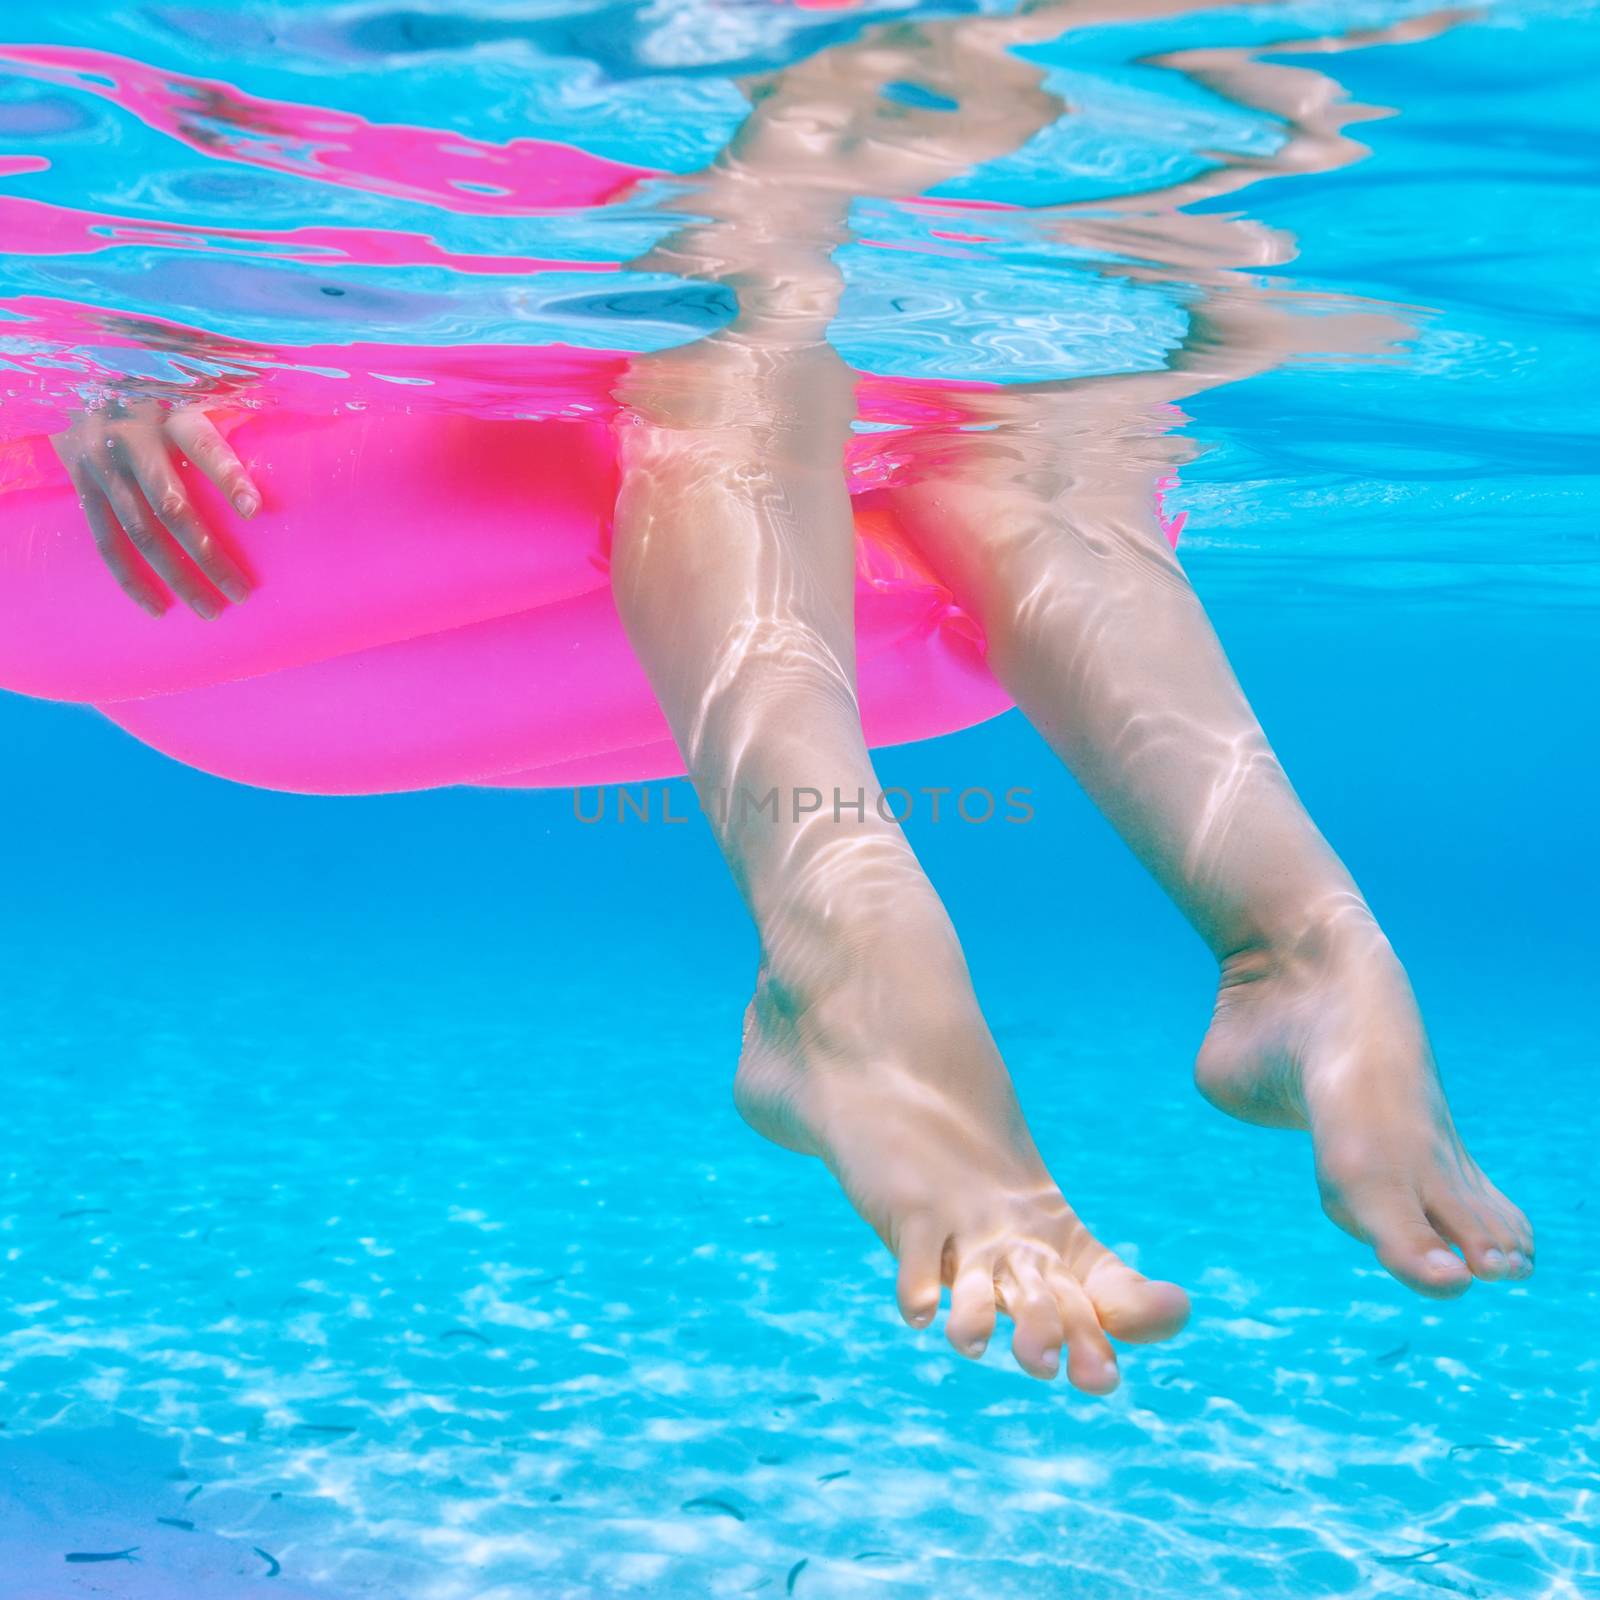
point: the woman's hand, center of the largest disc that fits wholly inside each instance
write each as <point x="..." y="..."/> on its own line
<point x="120" y="460"/>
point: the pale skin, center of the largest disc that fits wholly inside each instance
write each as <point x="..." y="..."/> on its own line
<point x="864" y="1044"/>
<point x="123" y="461"/>
<point x="1045" y="533"/>
<point x="733" y="571"/>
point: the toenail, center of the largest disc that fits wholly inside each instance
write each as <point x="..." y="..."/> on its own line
<point x="1109" y="1374"/>
<point x="1443" y="1262"/>
<point x="1518" y="1261"/>
<point x="1050" y="1359"/>
<point x="976" y="1347"/>
<point x="1497" y="1258"/>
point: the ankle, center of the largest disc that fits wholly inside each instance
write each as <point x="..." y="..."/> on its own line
<point x="1325" y="933"/>
<point x="830" y="972"/>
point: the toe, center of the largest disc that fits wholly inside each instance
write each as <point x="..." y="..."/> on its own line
<point x="1519" y="1230"/>
<point x="1388" y="1215"/>
<point x="1489" y="1231"/>
<point x="1487" y="1244"/>
<point x="1524" y="1232"/>
<point x="1091" y="1362"/>
<point x="1522" y="1250"/>
<point x="1037" y="1334"/>
<point x="921" y="1249"/>
<point x="1131" y="1307"/>
<point x="1522" y="1254"/>
<point x="1421" y="1260"/>
<point x="1486" y="1259"/>
<point x="970" y="1325"/>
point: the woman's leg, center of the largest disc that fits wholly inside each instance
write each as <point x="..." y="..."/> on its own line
<point x="1045" y="530"/>
<point x="734" y="570"/>
<point x="1048" y="536"/>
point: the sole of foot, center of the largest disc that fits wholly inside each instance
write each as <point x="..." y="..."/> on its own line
<point x="905" y="1098"/>
<point x="1326" y="1036"/>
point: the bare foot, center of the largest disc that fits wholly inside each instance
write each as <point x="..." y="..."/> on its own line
<point x="892" y="1078"/>
<point x="1324" y="1034"/>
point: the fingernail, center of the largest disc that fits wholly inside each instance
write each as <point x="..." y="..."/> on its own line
<point x="246" y="503"/>
<point x="236" y="591"/>
<point x="1110" y="1374"/>
<point x="1443" y="1262"/>
<point x="1496" y="1258"/>
<point x="976" y="1347"/>
<point x="204" y="608"/>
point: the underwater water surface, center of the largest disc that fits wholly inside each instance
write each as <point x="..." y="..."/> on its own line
<point x="374" y="1217"/>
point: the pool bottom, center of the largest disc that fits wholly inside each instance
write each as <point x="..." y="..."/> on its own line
<point x="514" y="1306"/>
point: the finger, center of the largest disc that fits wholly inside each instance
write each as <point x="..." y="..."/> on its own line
<point x="146" y="454"/>
<point x="195" y="434"/>
<point x="133" y="576"/>
<point x="132" y="510"/>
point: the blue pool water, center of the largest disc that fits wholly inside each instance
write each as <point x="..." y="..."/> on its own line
<point x="411" y="1117"/>
<point x="373" y="1208"/>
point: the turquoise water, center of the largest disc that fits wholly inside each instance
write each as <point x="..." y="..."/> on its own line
<point x="372" y="1195"/>
<point x="411" y="1117"/>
